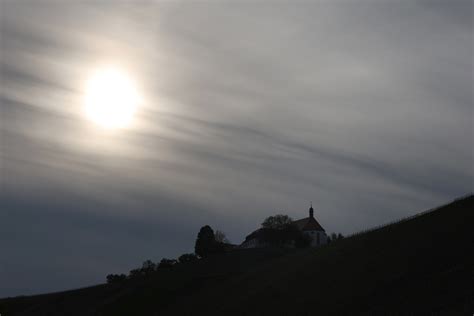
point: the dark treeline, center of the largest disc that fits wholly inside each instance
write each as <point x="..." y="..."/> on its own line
<point x="276" y="231"/>
<point x="207" y="243"/>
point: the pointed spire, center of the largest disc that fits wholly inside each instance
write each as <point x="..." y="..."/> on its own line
<point x="311" y="210"/>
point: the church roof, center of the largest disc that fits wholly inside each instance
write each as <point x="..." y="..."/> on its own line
<point x="308" y="223"/>
<point x="255" y="234"/>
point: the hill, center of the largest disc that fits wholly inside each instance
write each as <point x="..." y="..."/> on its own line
<point x="424" y="265"/>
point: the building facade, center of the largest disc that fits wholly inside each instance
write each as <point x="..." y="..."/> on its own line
<point x="311" y="227"/>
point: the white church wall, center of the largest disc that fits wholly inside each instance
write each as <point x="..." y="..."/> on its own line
<point x="313" y="234"/>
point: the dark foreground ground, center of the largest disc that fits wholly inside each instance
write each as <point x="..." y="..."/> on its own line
<point x="421" y="266"/>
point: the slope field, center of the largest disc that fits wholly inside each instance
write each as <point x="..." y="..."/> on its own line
<point x="424" y="265"/>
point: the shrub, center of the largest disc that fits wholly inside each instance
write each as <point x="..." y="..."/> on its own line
<point x="116" y="278"/>
<point x="187" y="258"/>
<point x="167" y="263"/>
<point x="284" y="236"/>
<point x="148" y="267"/>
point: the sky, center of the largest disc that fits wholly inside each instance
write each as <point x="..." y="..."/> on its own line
<point x="247" y="109"/>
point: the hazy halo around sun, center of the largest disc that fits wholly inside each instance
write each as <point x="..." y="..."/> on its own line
<point x="111" y="98"/>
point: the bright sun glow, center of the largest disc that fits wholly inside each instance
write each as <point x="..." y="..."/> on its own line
<point x="111" y="98"/>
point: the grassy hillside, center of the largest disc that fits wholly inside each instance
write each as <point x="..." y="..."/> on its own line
<point x="423" y="265"/>
<point x="140" y="296"/>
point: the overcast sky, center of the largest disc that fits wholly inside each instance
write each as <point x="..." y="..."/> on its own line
<point x="248" y="109"/>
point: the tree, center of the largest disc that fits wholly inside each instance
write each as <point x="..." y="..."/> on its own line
<point x="187" y="258"/>
<point x="220" y="237"/>
<point x="206" y="242"/>
<point x="280" y="231"/>
<point x="167" y="263"/>
<point x="277" y="222"/>
<point x="135" y="273"/>
<point x="148" y="267"/>
<point x="335" y="237"/>
<point x="116" y="278"/>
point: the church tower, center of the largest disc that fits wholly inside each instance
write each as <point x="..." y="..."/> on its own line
<point x="310" y="227"/>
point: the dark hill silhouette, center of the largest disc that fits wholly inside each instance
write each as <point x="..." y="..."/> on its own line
<point x="424" y="265"/>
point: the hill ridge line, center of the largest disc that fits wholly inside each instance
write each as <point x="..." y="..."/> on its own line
<point x="405" y="219"/>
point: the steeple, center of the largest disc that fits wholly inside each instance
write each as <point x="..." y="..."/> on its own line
<point x="311" y="210"/>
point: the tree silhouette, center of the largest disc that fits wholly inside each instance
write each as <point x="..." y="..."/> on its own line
<point x="206" y="243"/>
<point x="116" y="278"/>
<point x="148" y="267"/>
<point x="277" y="222"/>
<point x="187" y="258"/>
<point x="220" y="237"/>
<point x="167" y="263"/>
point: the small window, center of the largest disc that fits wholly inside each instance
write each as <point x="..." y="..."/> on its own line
<point x="317" y="239"/>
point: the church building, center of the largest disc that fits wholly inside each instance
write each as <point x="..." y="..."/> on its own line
<point x="311" y="227"/>
<point x="308" y="225"/>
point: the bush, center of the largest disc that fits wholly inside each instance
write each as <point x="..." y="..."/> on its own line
<point x="286" y="235"/>
<point x="116" y="278"/>
<point x="148" y="267"/>
<point x="187" y="258"/>
<point x="167" y="263"/>
<point x="135" y="273"/>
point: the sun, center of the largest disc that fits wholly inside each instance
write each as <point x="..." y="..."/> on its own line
<point x="111" y="98"/>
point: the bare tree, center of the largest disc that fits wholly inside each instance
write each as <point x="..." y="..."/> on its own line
<point x="221" y="237"/>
